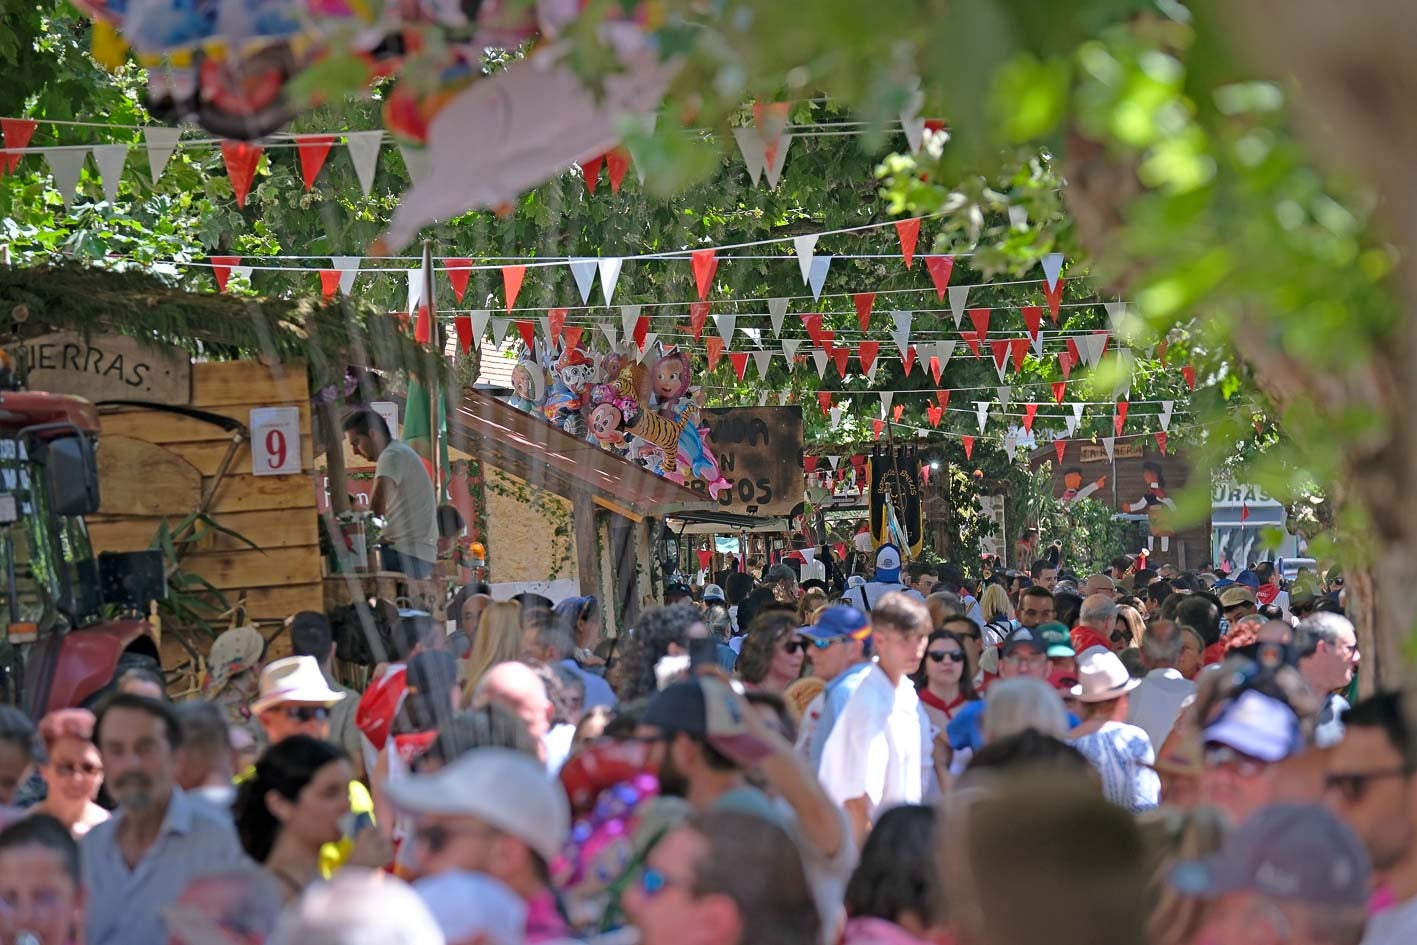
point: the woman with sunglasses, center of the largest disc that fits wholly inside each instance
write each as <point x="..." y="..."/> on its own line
<point x="294" y="803"/>
<point x="73" y="772"/>
<point x="773" y="654"/>
<point x="944" y="680"/>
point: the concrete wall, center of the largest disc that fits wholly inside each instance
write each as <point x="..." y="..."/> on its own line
<point x="528" y="531"/>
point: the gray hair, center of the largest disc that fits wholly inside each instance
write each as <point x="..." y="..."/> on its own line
<point x="1020" y="703"/>
<point x="1097" y="609"/>
<point x="1325" y="626"/>
<point x="358" y="907"/>
<point x="1161" y="644"/>
<point x="780" y="572"/>
<point x="953" y="606"/>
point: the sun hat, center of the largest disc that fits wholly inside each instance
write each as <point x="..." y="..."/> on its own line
<point x="1102" y="677"/>
<point x="1295" y="852"/>
<point x="1257" y="725"/>
<point x="1236" y="594"/>
<point x="836" y="622"/>
<point x="232" y="653"/>
<point x="887" y="564"/>
<point x="294" y="679"/>
<point x="505" y="789"/>
<point x="706" y="709"/>
<point x="713" y="592"/>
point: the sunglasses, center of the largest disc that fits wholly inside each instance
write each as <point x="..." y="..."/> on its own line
<point x="825" y="644"/>
<point x="793" y="647"/>
<point x="1352" y="785"/>
<point x="653" y="882"/>
<point x="939" y="656"/>
<point x="436" y="837"/>
<point x="306" y="713"/>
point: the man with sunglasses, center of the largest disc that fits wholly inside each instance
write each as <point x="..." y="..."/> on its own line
<point x="1244" y="745"/>
<point x="840" y="647"/>
<point x="1370" y="785"/>
<point x="295" y="699"/>
<point x="1328" y="656"/>
<point x="1023" y="653"/>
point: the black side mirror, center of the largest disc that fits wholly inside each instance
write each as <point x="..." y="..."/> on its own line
<point x="71" y="474"/>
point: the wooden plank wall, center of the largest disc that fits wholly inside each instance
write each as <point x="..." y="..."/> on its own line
<point x="276" y="512"/>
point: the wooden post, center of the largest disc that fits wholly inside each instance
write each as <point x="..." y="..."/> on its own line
<point x="583" y="533"/>
<point x="436" y="405"/>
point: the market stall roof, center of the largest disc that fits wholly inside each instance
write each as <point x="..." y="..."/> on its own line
<point x="549" y="458"/>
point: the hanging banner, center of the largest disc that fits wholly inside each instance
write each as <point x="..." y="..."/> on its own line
<point x="759" y="452"/>
<point x="894" y="473"/>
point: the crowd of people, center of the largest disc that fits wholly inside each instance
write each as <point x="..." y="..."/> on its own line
<point x="903" y="757"/>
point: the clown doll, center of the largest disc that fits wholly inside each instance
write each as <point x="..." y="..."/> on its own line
<point x="1073" y="489"/>
<point x="528" y="386"/>
<point x="1156" y="505"/>
<point x="574" y="372"/>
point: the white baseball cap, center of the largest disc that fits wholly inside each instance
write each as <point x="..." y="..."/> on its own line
<point x="505" y="789"/>
<point x="294" y="679"/>
<point x="473" y="907"/>
<point x="887" y="563"/>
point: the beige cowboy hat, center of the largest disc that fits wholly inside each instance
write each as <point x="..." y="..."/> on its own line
<point x="294" y="679"/>
<point x="1101" y="676"/>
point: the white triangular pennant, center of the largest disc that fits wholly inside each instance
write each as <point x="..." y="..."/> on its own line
<point x="762" y="398"/>
<point x="805" y="246"/>
<point x="499" y="330"/>
<point x="886" y="397"/>
<point x="160" y="143"/>
<point x="1018" y="217"/>
<point x="1074" y="420"/>
<point x="755" y="334"/>
<point x="981" y="412"/>
<point x="242" y="272"/>
<point x="750" y="145"/>
<point x="609" y="276"/>
<point x="773" y="171"/>
<point x="836" y="421"/>
<point x="820" y="356"/>
<point x="65" y="165"/>
<point x="417" y="160"/>
<point x="763" y="360"/>
<point x="629" y="315"/>
<point x="348" y="267"/>
<point x="607" y="328"/>
<point x="1036" y="342"/>
<point x="782" y="398"/>
<point x="958" y="296"/>
<point x="363" y="148"/>
<point x="789" y="348"/>
<point x="835" y="461"/>
<point x="479" y="326"/>
<point x="1001" y="365"/>
<point x="871" y="374"/>
<point x="725" y="322"/>
<point x="1122" y="390"/>
<point x="1052" y="266"/>
<point x="109" y="159"/>
<point x="1166" y="407"/>
<point x="818" y="276"/>
<point x="1115" y="312"/>
<point x="415" y="288"/>
<point x="943" y="351"/>
<point x="1004" y="394"/>
<point x="583" y="268"/>
<point x="901" y="332"/>
<point x="1109" y="443"/>
<point x="1090" y="348"/>
<point x="546" y="330"/>
<point x="650" y="339"/>
<point x="911" y="122"/>
<point x="777" y="311"/>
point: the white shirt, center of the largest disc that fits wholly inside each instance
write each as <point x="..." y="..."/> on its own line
<point x="410" y="511"/>
<point x="874" y="591"/>
<point x="1156" y="703"/>
<point x="1394" y="926"/>
<point x="878" y="747"/>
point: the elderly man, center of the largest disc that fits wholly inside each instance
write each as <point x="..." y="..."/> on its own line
<point x="517" y="688"/>
<point x="136" y="865"/>
<point x="1099" y="584"/>
<point x="1328" y="655"/>
<point x="1097" y="618"/>
<point x="1157" y="702"/>
<point x="355" y="908"/>
<point x="492" y="811"/>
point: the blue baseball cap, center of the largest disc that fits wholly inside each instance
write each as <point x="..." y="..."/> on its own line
<point x="836" y="622"/>
<point x="887" y="564"/>
<point x="1248" y="578"/>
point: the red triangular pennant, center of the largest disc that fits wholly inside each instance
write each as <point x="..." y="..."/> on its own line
<point x="925" y="473"/>
<point x="528" y="332"/>
<point x="713" y="347"/>
<point x="329" y="283"/>
<point x="866" y="353"/>
<point x="1119" y="420"/>
<point x="935" y="414"/>
<point x="617" y="162"/>
<point x="840" y="356"/>
<point x="979" y="318"/>
<point x="1032" y="319"/>
<point x="241" y="158"/>
<point x="909" y="232"/>
<point x="591" y="169"/>
<point x="705" y="264"/>
<point x="1054" y="297"/>
<point x="740" y="362"/>
<point x="556" y="321"/>
<point x="641" y="331"/>
<point x="825" y="339"/>
<point x="512" y="277"/>
<point x="1060" y="388"/>
<point x="313" y="150"/>
<point x="809" y="463"/>
<point x="462" y="324"/>
<point x="1018" y="350"/>
<point x="824" y="399"/>
<point x="968" y="442"/>
<point x="572" y="334"/>
<point x="1189" y="373"/>
<point x="972" y="339"/>
<point x="943" y="396"/>
<point x="1066" y="360"/>
<point x="423" y="328"/>
<point x="897" y="412"/>
<point x="940" y="268"/>
<point x="936" y="368"/>
<point x="864" y="301"/>
<point x="1000" y="350"/>
<point x="858" y="460"/>
<point x="908" y="361"/>
<point x="1060" y="447"/>
<point x="876" y="427"/>
<point x="1030" y="411"/>
<point x="698" y="315"/>
<point x="221" y="269"/>
<point x="1161" y="348"/>
<point x="812" y="321"/>
<point x="458" y="272"/>
<point x="17" y="134"/>
<point x="1161" y="441"/>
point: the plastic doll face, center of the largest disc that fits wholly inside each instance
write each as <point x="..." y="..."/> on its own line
<point x="605" y="423"/>
<point x="1072" y="480"/>
<point x="668" y="378"/>
<point x="521" y="383"/>
<point x="577" y="376"/>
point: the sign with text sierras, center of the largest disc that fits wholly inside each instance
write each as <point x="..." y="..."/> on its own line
<point x="759" y="452"/>
<point x="106" y="367"/>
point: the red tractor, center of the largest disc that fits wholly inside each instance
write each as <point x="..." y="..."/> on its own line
<point x="72" y="621"/>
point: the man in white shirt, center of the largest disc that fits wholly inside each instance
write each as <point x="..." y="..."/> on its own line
<point x="878" y="755"/>
<point x="1164" y="692"/>
<point x="886" y="581"/>
<point x="402" y="496"/>
<point x="841" y="655"/>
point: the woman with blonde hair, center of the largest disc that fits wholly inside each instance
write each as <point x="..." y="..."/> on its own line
<point x="812" y="601"/>
<point x="498" y="640"/>
<point x="1129" y="629"/>
<point x="994" y="604"/>
<point x="1172" y="836"/>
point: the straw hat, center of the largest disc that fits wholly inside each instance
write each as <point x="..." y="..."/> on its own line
<point x="294" y="679"/>
<point x="232" y="653"/>
<point x="1101" y="676"/>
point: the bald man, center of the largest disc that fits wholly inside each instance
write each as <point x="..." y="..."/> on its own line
<point x="517" y="688"/>
<point x="1099" y="584"/>
<point x="1096" y="621"/>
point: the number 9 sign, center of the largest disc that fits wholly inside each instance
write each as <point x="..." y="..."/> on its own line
<point x="275" y="441"/>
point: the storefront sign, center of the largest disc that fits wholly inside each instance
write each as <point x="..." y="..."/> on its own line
<point x="759" y="452"/>
<point x="107" y="367"/>
<point x="1090" y="453"/>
